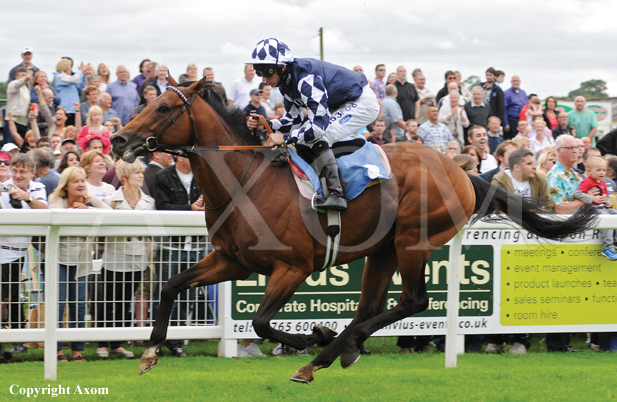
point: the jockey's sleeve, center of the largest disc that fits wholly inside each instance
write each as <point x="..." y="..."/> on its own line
<point x="315" y="97"/>
<point x="292" y="116"/>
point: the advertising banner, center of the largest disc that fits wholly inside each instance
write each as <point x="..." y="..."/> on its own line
<point x="510" y="282"/>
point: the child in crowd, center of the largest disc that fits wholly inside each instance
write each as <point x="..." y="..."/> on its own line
<point x="595" y="172"/>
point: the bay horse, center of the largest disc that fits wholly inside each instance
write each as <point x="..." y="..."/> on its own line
<point x="258" y="222"/>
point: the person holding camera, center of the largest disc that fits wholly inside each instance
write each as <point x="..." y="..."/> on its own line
<point x="19" y="192"/>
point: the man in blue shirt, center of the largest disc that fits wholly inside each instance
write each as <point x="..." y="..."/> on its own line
<point x="123" y="95"/>
<point x="338" y="102"/>
<point x="514" y="100"/>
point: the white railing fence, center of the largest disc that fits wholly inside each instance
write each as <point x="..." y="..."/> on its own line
<point x="57" y="224"/>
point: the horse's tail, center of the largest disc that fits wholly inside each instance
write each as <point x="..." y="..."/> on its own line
<point x="526" y="211"/>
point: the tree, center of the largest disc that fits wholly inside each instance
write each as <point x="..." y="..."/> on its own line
<point x="473" y="81"/>
<point x="2" y="90"/>
<point x="590" y="89"/>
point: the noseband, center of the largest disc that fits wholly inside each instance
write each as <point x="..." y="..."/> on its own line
<point x="152" y="143"/>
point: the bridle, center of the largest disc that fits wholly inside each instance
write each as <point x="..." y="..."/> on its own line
<point x="152" y="143"/>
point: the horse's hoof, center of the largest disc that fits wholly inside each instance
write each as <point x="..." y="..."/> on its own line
<point x="303" y="375"/>
<point x="147" y="364"/>
<point x="148" y="360"/>
<point x="349" y="358"/>
<point x="326" y="333"/>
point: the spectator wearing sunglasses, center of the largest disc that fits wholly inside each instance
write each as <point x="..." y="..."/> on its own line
<point x="4" y="167"/>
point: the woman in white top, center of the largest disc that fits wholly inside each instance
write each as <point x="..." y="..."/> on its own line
<point x="454" y="117"/>
<point x="124" y="258"/>
<point x="93" y="162"/>
<point x="540" y="140"/>
<point x="74" y="254"/>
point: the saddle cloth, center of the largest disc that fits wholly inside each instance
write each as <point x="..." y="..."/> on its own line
<point x="366" y="166"/>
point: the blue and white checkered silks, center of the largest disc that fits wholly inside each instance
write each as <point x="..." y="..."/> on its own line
<point x="271" y="51"/>
<point x="314" y="97"/>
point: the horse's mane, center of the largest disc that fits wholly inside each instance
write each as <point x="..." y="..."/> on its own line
<point x="233" y="116"/>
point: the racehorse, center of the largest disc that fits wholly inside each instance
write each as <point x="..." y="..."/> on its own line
<point x="258" y="222"/>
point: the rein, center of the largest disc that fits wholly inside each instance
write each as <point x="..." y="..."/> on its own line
<point x="152" y="143"/>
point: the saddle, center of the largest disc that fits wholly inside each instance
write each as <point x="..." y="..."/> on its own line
<point x="361" y="165"/>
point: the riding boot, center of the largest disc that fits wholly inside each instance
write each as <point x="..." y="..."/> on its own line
<point x="327" y="169"/>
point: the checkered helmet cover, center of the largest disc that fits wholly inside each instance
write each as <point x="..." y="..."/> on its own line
<point x="271" y="51"/>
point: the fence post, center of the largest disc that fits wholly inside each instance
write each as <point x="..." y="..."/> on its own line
<point x="227" y="347"/>
<point x="453" y="299"/>
<point x="51" y="303"/>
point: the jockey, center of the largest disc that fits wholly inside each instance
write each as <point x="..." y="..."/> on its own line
<point x="337" y="101"/>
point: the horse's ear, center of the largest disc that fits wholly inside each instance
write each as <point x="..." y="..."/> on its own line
<point x="197" y="86"/>
<point x="172" y="82"/>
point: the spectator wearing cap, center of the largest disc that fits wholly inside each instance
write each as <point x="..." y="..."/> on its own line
<point x="239" y="93"/>
<point x="10" y="149"/>
<point x="26" y="57"/>
<point x="18" y="99"/>
<point x="66" y="145"/>
<point x="493" y="95"/>
<point x="254" y="107"/>
<point x="123" y="94"/>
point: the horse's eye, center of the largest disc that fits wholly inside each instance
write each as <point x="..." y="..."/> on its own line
<point x="164" y="109"/>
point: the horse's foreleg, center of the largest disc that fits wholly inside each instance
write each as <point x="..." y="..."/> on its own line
<point x="283" y="283"/>
<point x="376" y="279"/>
<point x="213" y="269"/>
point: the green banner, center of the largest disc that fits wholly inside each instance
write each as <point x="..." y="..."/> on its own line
<point x="334" y="293"/>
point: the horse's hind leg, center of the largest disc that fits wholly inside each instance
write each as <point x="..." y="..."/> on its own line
<point x="214" y="268"/>
<point x="283" y="283"/>
<point x="414" y="299"/>
<point x="376" y="279"/>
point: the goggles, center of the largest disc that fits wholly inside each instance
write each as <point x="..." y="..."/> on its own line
<point x="265" y="70"/>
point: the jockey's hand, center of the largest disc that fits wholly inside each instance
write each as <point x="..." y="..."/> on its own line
<point x="275" y="139"/>
<point x="252" y="121"/>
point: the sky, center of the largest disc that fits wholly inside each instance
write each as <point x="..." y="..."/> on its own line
<point x="552" y="45"/>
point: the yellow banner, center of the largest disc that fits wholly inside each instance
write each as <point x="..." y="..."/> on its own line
<point x="557" y="285"/>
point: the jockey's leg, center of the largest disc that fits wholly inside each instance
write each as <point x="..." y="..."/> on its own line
<point x="346" y="121"/>
<point x="326" y="167"/>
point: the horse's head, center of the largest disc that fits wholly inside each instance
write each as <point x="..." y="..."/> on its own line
<point x="168" y="120"/>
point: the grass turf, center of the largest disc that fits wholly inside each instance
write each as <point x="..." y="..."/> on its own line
<point x="383" y="376"/>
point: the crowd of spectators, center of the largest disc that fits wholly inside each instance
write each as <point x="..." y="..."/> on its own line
<point x="56" y="153"/>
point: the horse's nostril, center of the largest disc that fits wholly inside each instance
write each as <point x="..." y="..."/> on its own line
<point x="118" y="140"/>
